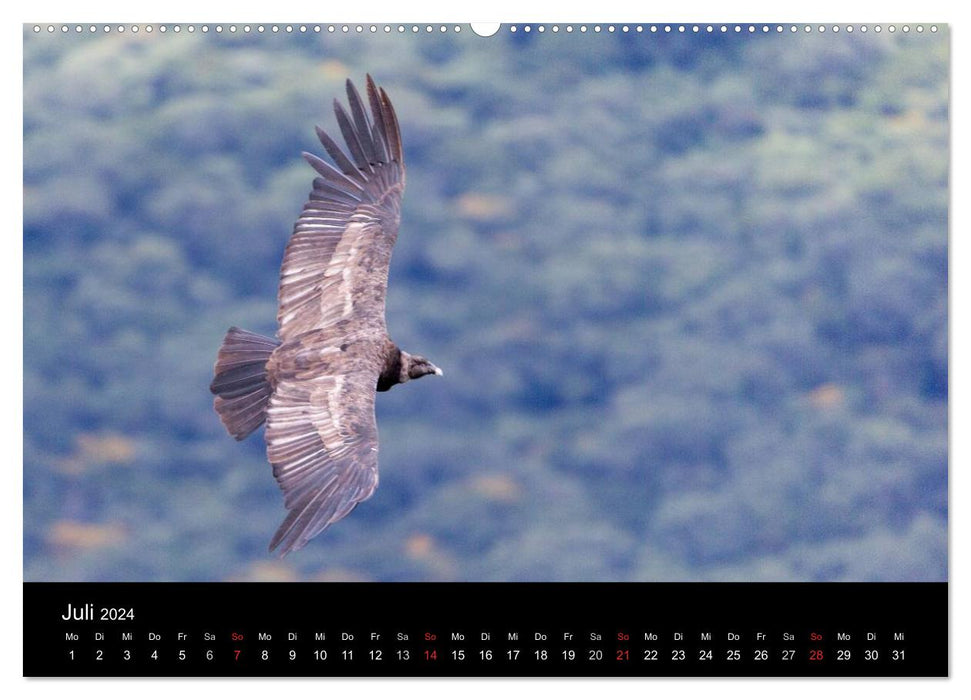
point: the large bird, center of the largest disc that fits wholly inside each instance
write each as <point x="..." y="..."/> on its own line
<point x="315" y="385"/>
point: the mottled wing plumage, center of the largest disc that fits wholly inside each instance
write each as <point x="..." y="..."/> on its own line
<point x="336" y="264"/>
<point x="321" y="431"/>
<point x="322" y="440"/>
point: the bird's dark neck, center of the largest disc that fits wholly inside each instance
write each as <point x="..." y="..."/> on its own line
<point x="391" y="374"/>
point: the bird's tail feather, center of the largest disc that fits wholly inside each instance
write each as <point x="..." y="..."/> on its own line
<point x="241" y="384"/>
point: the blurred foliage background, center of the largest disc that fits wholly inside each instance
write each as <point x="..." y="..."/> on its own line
<point x="689" y="293"/>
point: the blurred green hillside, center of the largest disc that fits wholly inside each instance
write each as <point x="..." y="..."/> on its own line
<point x="689" y="294"/>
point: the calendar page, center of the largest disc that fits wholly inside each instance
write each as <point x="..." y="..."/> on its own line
<point x="485" y="350"/>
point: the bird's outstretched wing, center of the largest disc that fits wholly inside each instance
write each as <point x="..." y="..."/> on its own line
<point x="336" y="263"/>
<point x="322" y="440"/>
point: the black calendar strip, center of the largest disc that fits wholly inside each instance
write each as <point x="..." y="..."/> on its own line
<point x="623" y="629"/>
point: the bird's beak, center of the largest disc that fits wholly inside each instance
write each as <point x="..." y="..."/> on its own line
<point x="438" y="371"/>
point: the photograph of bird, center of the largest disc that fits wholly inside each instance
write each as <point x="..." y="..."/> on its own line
<point x="314" y="385"/>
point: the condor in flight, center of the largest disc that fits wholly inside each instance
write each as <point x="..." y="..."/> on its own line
<point x="315" y="386"/>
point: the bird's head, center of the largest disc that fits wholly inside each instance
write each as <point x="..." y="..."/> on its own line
<point x="415" y="366"/>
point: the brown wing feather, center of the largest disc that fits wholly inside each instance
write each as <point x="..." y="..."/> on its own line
<point x="336" y="263"/>
<point x="321" y="432"/>
<point x="322" y="440"/>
